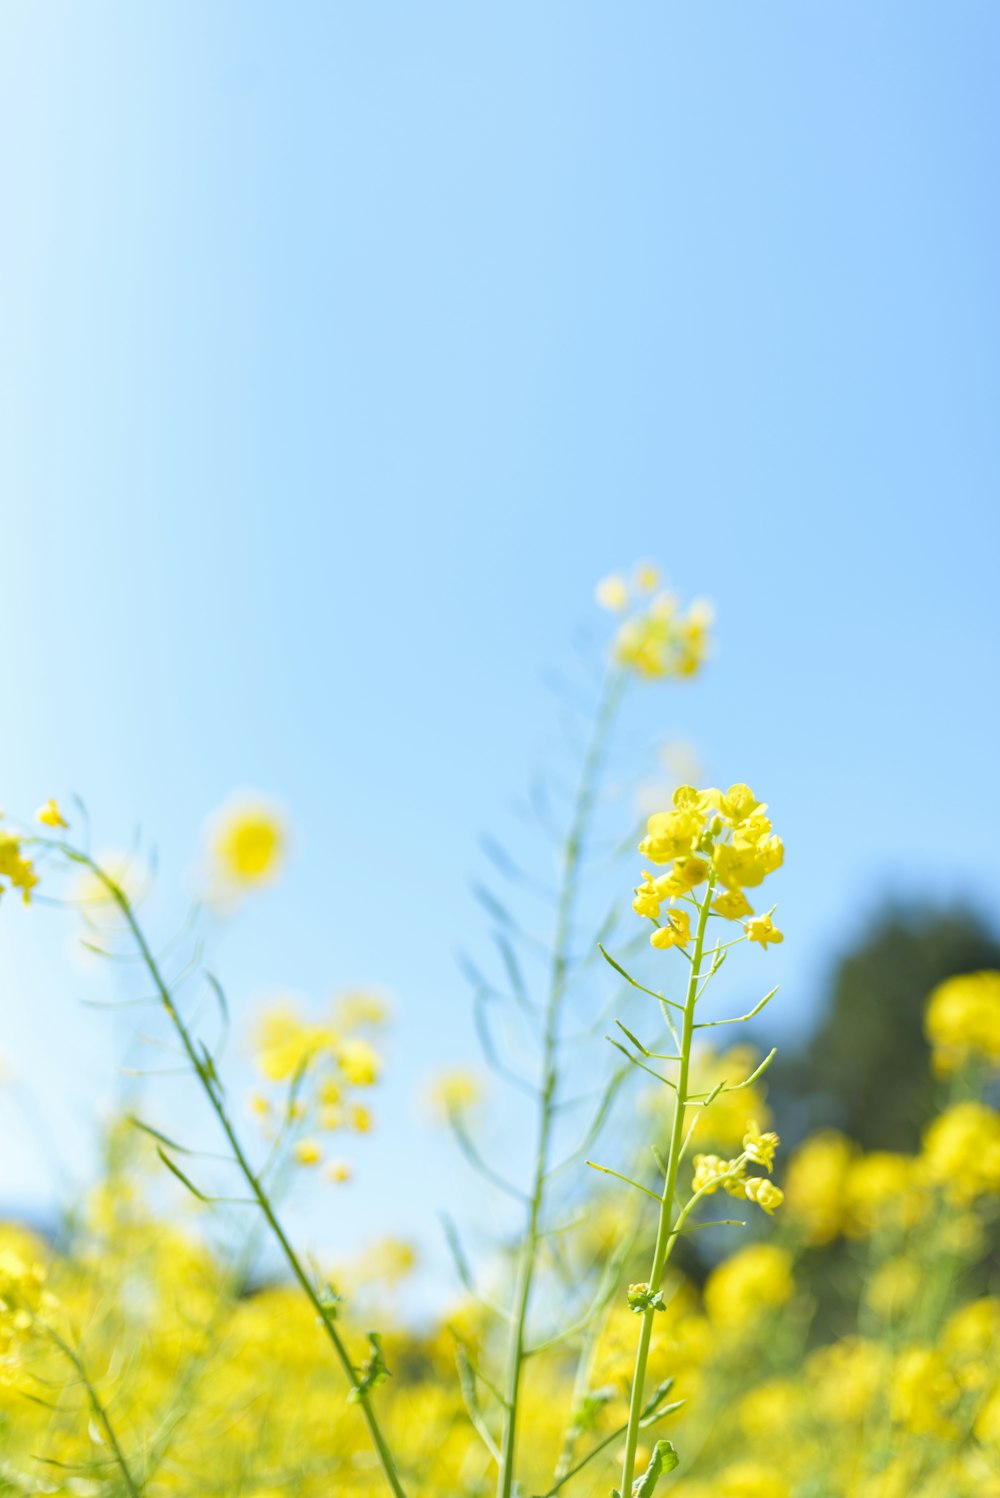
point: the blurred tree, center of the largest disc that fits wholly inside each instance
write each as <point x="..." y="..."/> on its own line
<point x="866" y="1068"/>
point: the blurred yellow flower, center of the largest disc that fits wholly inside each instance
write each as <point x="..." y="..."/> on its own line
<point x="50" y="816"/>
<point x="247" y="840"/>
<point x="757" y="1278"/>
<point x="612" y="593"/>
<point x="308" y="1152"/>
<point x="454" y="1090"/>
<point x="962" y="1021"/>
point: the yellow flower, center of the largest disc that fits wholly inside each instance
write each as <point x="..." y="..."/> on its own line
<point x="881" y="1189"/>
<point x="661" y="641"/>
<point x="733" y="904"/>
<point x="675" y="932"/>
<point x="711" y="1172"/>
<point x="361" y="1118"/>
<point x="454" y="1091"/>
<point x="764" y="1192"/>
<point x="360" y="1009"/>
<point x="923" y="1393"/>
<point x="815" y="1185"/>
<point x="761" y="929"/>
<point x="647" y="577"/>
<point x="650" y="895"/>
<point x="758" y="1277"/>
<point x="14" y="867"/>
<point x="961" y="1152"/>
<point x="338" y="1171"/>
<point x="359" y="1062"/>
<point x="308" y="1152"/>
<point x="962" y="1020"/>
<point x="50" y="816"/>
<point x="760" y="1147"/>
<point x="247" y="841"/>
<point x="612" y="593"/>
<point x="286" y="1044"/>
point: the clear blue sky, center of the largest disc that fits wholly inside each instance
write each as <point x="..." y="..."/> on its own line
<point x="344" y="347"/>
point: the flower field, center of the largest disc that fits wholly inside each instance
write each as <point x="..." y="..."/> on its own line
<point x="684" y="1305"/>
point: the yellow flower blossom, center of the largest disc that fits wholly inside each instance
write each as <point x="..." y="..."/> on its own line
<point x="961" y="1152"/>
<point x="756" y="1278"/>
<point x="455" y="1090"/>
<point x="815" y="1185"/>
<point x="50" y="816"/>
<point x="612" y="593"/>
<point x="760" y="1148"/>
<point x="764" y="1192"/>
<point x="338" y="1171"/>
<point x="308" y="1152"/>
<point x="359" y="1062"/>
<point x="247" y="839"/>
<point x="711" y="1172"/>
<point x="761" y="929"/>
<point x="675" y="931"/>
<point x="15" y="867"/>
<point x="962" y="1021"/>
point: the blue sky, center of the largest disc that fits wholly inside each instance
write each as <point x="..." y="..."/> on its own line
<point x="344" y="347"/>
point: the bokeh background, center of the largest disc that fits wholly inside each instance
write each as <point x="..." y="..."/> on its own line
<point x="344" y="347"/>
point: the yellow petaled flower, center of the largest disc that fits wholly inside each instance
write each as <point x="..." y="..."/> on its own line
<point x="308" y="1152"/>
<point x="880" y="1190"/>
<point x="815" y="1184"/>
<point x="247" y="842"/>
<point x="961" y="1152"/>
<point x="675" y="932"/>
<point x="286" y="1044"/>
<point x="50" y="816"/>
<point x="764" y="1192"/>
<point x="454" y="1091"/>
<point x="361" y="1118"/>
<point x="711" y="1172"/>
<point x="360" y="1009"/>
<point x="657" y="640"/>
<point x="761" y="929"/>
<point x="259" y="1104"/>
<point x="359" y="1062"/>
<point x="733" y="904"/>
<point x="612" y="593"/>
<point x="647" y="577"/>
<point x="756" y="1278"/>
<point x="760" y="1147"/>
<point x="338" y="1171"/>
<point x="962" y="1021"/>
<point x="14" y="867"/>
<point x="650" y="895"/>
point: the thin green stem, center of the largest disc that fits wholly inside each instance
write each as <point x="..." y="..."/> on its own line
<point x="96" y="1404"/>
<point x="209" y="1085"/>
<point x="665" y="1236"/>
<point x="527" y="1259"/>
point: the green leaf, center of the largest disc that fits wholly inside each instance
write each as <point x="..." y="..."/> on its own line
<point x="664" y="1459"/>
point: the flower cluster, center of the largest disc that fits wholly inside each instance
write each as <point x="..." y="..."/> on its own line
<point x="15" y="867"/>
<point x="712" y="1172"/>
<point x="658" y="638"/>
<point x="321" y="1070"/>
<point x="962" y="1021"/>
<point x="23" y="1297"/>
<point x="723" y="838"/>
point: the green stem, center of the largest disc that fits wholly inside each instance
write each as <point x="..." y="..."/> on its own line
<point x="100" y="1413"/>
<point x="527" y="1260"/>
<point x="665" y="1236"/>
<point x="209" y="1085"/>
